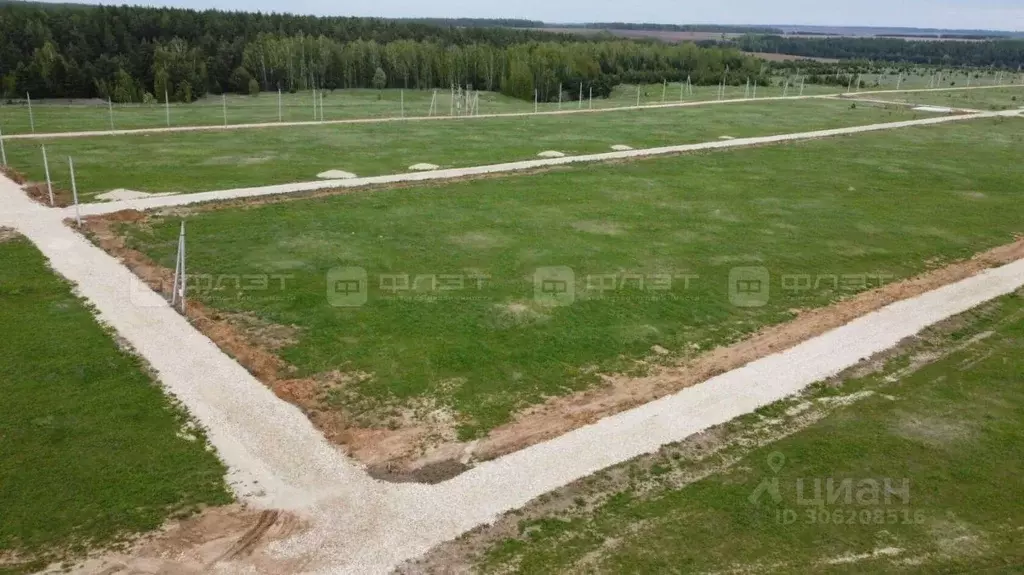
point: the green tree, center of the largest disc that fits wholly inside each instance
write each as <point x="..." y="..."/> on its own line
<point x="240" y="80"/>
<point x="254" y="87"/>
<point x="380" y="78"/>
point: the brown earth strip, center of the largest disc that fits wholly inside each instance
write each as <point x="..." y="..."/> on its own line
<point x="37" y="191"/>
<point x="224" y="536"/>
<point x="416" y="450"/>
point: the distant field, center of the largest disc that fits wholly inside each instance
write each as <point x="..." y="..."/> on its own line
<point x="988" y="99"/>
<point x="855" y="205"/>
<point x="787" y="57"/>
<point x="92" y="449"/>
<point x="65" y="116"/>
<point x="667" y="36"/>
<point x="202" y="161"/>
<point x="940" y="422"/>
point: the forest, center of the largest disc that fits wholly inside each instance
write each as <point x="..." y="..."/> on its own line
<point x="1006" y="54"/>
<point x="132" y="54"/>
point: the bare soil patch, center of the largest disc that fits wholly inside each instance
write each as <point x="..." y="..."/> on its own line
<point x="221" y="536"/>
<point x="37" y="191"/>
<point x="418" y="444"/>
<point x="8" y="234"/>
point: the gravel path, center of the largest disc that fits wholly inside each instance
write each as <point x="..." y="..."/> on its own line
<point x="906" y="104"/>
<point x="455" y="173"/>
<point x="221" y="127"/>
<point x="359" y="525"/>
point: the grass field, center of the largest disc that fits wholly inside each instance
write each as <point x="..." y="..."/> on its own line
<point x="846" y="207"/>
<point x="67" y="116"/>
<point x="987" y="99"/>
<point x="941" y="422"/>
<point x="92" y="450"/>
<point x="62" y="116"/>
<point x="202" y="161"/>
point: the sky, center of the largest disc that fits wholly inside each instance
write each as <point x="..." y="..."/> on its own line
<point x="959" y="14"/>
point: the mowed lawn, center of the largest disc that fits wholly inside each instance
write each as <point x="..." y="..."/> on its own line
<point x="525" y="287"/>
<point x="90" y="448"/>
<point x="203" y="161"/>
<point x="983" y="99"/>
<point x="942" y="424"/>
<point x="71" y="116"/>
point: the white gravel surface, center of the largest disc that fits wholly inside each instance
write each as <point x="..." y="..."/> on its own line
<point x="454" y="173"/>
<point x="84" y="134"/>
<point x="359" y="525"/>
<point x="336" y="175"/>
<point x="121" y="194"/>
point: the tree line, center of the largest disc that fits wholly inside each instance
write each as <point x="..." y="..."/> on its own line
<point x="1003" y="53"/>
<point x="133" y="54"/>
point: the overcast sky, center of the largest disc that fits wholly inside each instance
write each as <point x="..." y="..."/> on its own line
<point x="980" y="14"/>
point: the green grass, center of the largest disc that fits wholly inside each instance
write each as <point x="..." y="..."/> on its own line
<point x="987" y="99"/>
<point x="202" y="161"/>
<point x="953" y="430"/>
<point x="866" y="204"/>
<point x="63" y="116"/>
<point x="89" y="451"/>
<point x="78" y="115"/>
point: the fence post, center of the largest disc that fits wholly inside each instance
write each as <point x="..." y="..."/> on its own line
<point x="167" y="108"/>
<point x="31" y="118"/>
<point x="536" y="100"/>
<point x="279" y="104"/>
<point x="46" y="167"/>
<point x="183" y="274"/>
<point x="74" y="191"/>
<point x="224" y="106"/>
<point x="110" y="110"/>
<point x="559" y="96"/>
<point x="177" y="265"/>
<point x="3" y="154"/>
